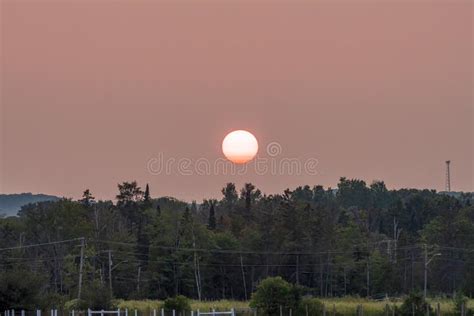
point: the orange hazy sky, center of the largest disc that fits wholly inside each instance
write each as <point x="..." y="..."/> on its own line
<point x="91" y="90"/>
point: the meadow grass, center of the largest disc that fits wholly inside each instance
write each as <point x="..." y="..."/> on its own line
<point x="141" y="305"/>
<point x="348" y="305"/>
<point x="343" y="305"/>
<point x="147" y="305"/>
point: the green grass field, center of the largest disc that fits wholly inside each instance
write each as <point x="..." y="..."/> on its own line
<point x="343" y="306"/>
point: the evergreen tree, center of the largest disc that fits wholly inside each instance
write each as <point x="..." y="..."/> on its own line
<point x="87" y="198"/>
<point x="194" y="208"/>
<point x="230" y="196"/>
<point x="212" y="217"/>
<point x="249" y="194"/>
<point x="187" y="217"/>
<point x="147" y="198"/>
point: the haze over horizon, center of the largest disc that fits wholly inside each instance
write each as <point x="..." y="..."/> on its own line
<point x="90" y="91"/>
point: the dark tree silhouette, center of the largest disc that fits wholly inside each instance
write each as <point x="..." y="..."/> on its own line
<point x="212" y="217"/>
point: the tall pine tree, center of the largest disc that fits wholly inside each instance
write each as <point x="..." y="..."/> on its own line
<point x="212" y="217"/>
<point x="147" y="198"/>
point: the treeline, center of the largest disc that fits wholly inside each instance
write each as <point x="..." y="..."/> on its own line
<point x="355" y="240"/>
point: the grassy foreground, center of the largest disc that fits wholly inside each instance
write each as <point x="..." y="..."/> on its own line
<point x="344" y="306"/>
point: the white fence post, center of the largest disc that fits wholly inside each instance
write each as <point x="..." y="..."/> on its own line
<point x="162" y="312"/>
<point x="174" y="312"/>
<point x="126" y="311"/>
<point x="154" y="312"/>
<point x="135" y="313"/>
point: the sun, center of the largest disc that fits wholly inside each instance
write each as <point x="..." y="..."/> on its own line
<point x="240" y="146"/>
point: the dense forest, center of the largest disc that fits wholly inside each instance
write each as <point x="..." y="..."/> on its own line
<point x="354" y="240"/>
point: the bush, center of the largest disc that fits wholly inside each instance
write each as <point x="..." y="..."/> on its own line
<point x="414" y="305"/>
<point x="95" y="296"/>
<point x="274" y="292"/>
<point x="179" y="303"/>
<point x="51" y="300"/>
<point x="315" y="306"/>
<point x="74" y="304"/>
<point x="459" y="301"/>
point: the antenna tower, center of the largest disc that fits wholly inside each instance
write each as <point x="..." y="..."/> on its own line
<point x="448" y="176"/>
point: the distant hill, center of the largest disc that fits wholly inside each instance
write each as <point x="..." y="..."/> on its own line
<point x="459" y="195"/>
<point x="10" y="204"/>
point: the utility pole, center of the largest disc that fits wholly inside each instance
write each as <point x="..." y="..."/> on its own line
<point x="368" y="276"/>
<point x="297" y="270"/>
<point x="426" y="272"/>
<point x="81" y="266"/>
<point x="112" y="268"/>
<point x="197" y="272"/>
<point x="110" y="273"/>
<point x="243" y="275"/>
<point x="138" y="278"/>
<point x="396" y="235"/>
<point x="426" y="263"/>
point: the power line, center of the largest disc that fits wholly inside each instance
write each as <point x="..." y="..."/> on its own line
<point x="42" y="244"/>
<point x="236" y="251"/>
<point x="233" y="251"/>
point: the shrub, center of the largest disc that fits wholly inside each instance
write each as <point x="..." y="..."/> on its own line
<point x="414" y="305"/>
<point x="95" y="296"/>
<point x="315" y="306"/>
<point x="274" y="292"/>
<point x="179" y="303"/>
<point x="51" y="300"/>
<point x="74" y="304"/>
<point x="459" y="301"/>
